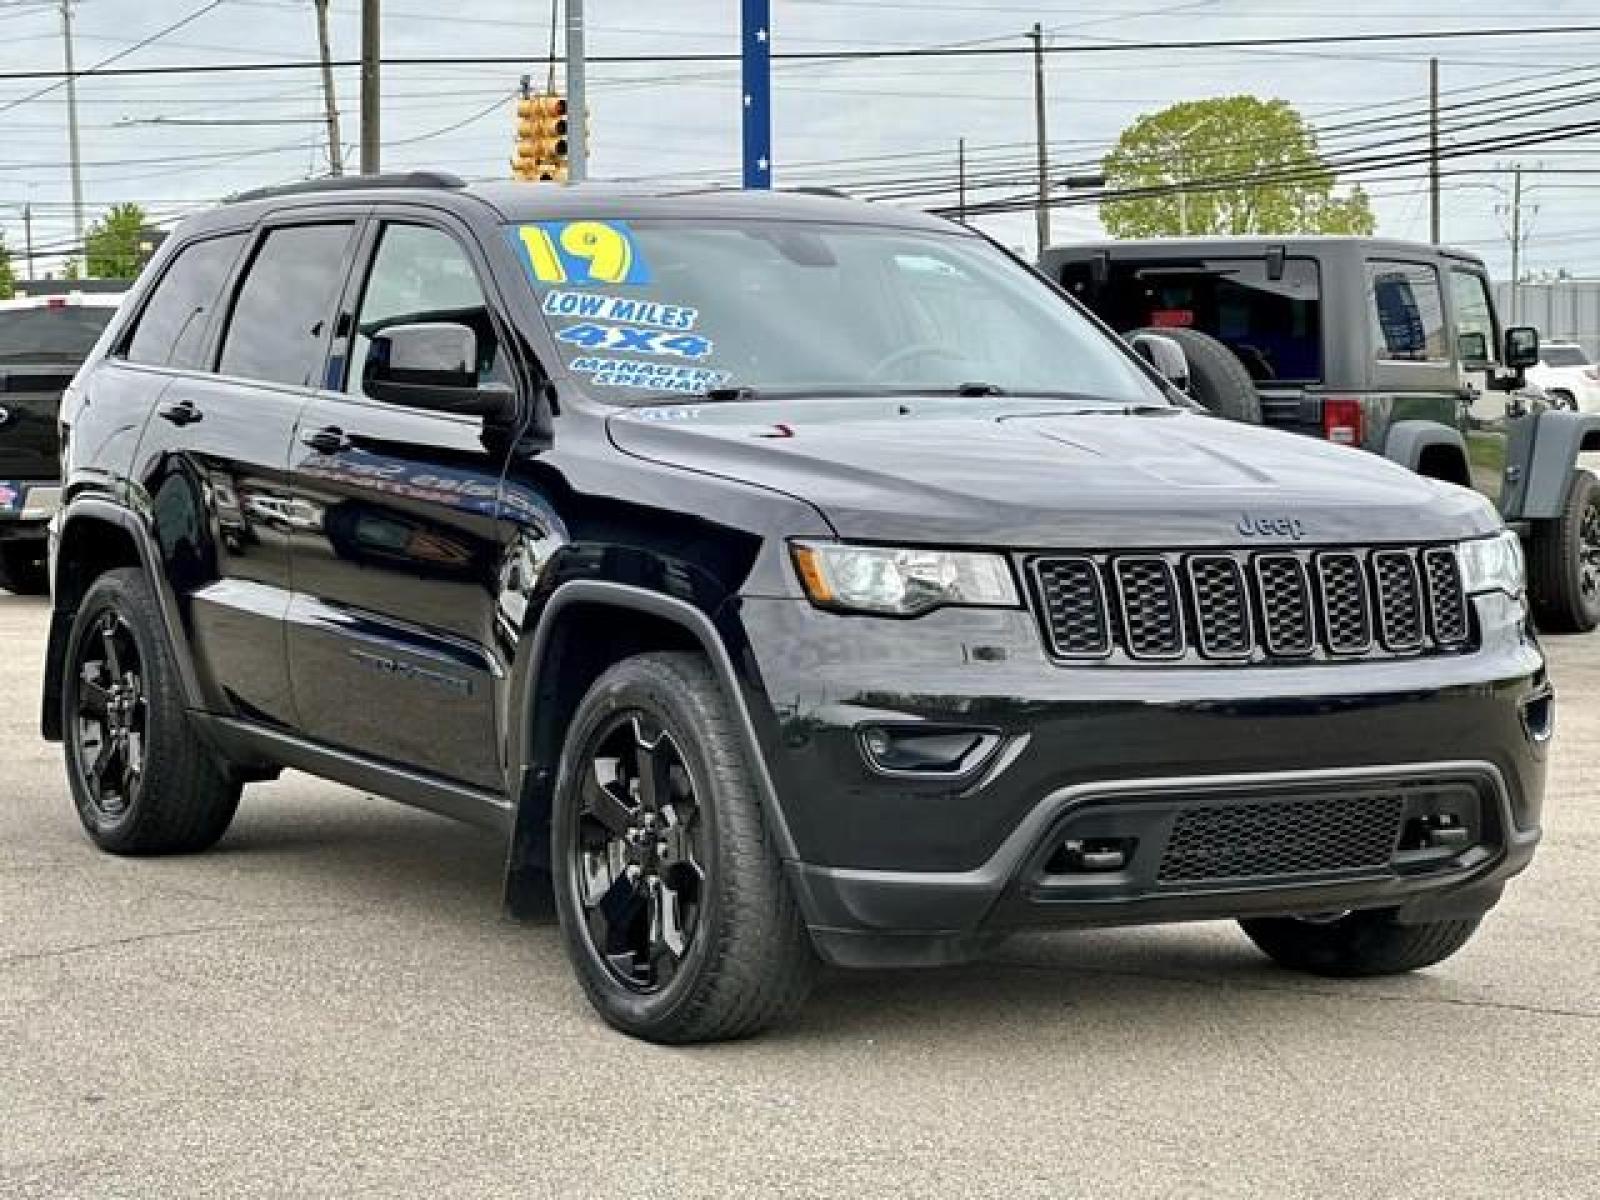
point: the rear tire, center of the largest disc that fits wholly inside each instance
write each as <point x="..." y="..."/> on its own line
<point x="1564" y="562"/>
<point x="673" y="905"/>
<point x="142" y="780"/>
<point x="1218" y="381"/>
<point x="1358" y="944"/>
<point x="23" y="569"/>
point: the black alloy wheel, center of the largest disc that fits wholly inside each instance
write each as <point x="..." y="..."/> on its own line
<point x="637" y="853"/>
<point x="1564" y="561"/>
<point x="111" y="717"/>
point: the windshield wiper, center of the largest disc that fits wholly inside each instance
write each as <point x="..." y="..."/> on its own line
<point x="727" y="395"/>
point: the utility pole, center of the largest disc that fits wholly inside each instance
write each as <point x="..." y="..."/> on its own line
<point x="370" y="52"/>
<point x="577" y="97"/>
<point x="1043" y="212"/>
<point x="329" y="101"/>
<point x="27" y="236"/>
<point x="72" y="125"/>
<point x="1433" y="150"/>
<point x="1516" y="244"/>
<point x="961" y="180"/>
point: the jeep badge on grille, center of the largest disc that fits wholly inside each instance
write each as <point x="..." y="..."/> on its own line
<point x="1288" y="527"/>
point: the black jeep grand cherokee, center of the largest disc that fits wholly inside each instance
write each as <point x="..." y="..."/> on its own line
<point x="788" y="580"/>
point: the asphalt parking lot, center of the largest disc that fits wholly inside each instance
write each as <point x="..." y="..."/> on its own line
<point x="332" y="1004"/>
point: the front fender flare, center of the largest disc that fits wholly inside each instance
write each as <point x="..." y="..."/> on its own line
<point x="532" y="783"/>
<point x="1539" y="489"/>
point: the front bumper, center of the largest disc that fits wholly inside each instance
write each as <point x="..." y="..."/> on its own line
<point x="892" y="868"/>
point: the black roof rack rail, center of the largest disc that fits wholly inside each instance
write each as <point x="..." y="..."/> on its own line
<point x="354" y="183"/>
<point x="819" y="190"/>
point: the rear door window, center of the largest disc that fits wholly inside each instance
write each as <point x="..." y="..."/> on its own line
<point x="1273" y="325"/>
<point x="279" y="328"/>
<point x="172" y="329"/>
<point x="1407" y="312"/>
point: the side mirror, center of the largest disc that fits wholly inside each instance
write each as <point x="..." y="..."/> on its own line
<point x="1165" y="355"/>
<point x="433" y="365"/>
<point x="1522" y="347"/>
<point x="1474" y="350"/>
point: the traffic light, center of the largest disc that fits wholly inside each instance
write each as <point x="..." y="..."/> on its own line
<point x="541" y="149"/>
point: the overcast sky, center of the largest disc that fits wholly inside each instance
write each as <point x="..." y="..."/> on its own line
<point x="832" y="122"/>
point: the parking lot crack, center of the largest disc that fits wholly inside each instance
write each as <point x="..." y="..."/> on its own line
<point x="169" y="934"/>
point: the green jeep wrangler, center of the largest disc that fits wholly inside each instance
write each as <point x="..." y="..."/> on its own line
<point x="1390" y="346"/>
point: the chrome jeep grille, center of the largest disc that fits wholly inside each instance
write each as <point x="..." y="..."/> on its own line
<point x="1244" y="606"/>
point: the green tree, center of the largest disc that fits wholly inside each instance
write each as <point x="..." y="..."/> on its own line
<point x="111" y="244"/>
<point x="72" y="270"/>
<point x="1252" y="166"/>
<point x="8" y="275"/>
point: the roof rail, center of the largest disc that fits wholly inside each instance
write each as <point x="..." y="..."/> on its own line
<point x="819" y="190"/>
<point x="353" y="183"/>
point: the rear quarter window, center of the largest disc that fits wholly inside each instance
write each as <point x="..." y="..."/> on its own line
<point x="1407" y="312"/>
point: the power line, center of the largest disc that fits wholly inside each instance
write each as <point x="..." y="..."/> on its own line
<point x="99" y="68"/>
<point x="918" y="52"/>
<point x="1303" y="173"/>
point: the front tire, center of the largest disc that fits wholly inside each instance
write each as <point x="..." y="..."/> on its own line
<point x="142" y="780"/>
<point x="1564" y="562"/>
<point x="1357" y="944"/>
<point x="672" y="901"/>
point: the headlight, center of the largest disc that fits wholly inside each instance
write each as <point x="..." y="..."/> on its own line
<point x="1492" y="564"/>
<point x="901" y="582"/>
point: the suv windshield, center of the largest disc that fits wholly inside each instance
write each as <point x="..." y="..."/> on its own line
<point x="64" y="333"/>
<point x="687" y="306"/>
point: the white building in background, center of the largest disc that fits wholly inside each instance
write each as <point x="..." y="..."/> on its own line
<point x="1566" y="310"/>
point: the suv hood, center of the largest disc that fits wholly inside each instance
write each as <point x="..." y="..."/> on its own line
<point x="1048" y="473"/>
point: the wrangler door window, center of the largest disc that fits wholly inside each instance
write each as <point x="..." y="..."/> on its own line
<point x="1474" y="315"/>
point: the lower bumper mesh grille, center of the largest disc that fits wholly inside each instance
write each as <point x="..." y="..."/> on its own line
<point x="1294" y="837"/>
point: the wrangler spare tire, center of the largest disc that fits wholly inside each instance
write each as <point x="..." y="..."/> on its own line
<point x="1218" y="381"/>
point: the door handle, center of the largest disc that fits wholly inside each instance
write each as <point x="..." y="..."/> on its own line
<point x="328" y="440"/>
<point x="181" y="412"/>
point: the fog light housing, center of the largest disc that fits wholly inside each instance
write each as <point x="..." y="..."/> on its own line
<point x="933" y="750"/>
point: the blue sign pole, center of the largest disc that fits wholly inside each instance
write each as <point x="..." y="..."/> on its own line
<point x="756" y="36"/>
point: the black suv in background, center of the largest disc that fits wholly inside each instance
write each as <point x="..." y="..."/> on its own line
<point x="787" y="579"/>
<point x="1391" y="346"/>
<point x="43" y="341"/>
